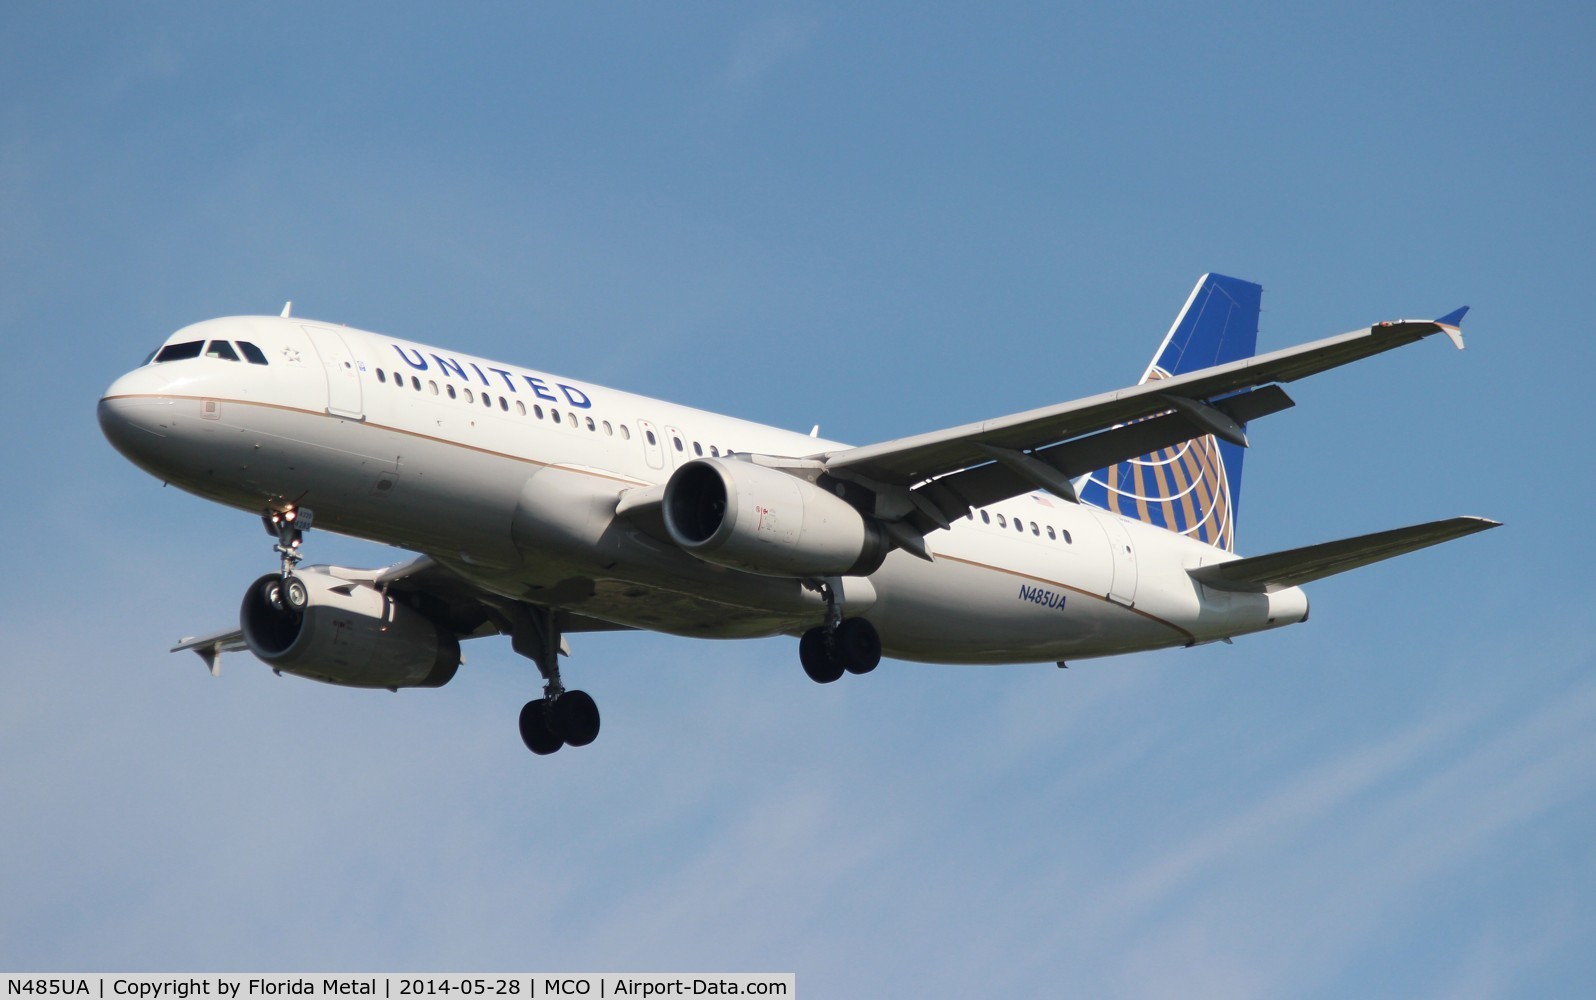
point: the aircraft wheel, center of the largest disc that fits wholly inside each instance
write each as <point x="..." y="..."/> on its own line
<point x="820" y="662"/>
<point x="536" y="732"/>
<point x="295" y="594"/>
<point x="576" y="718"/>
<point x="858" y="646"/>
<point x="272" y="594"/>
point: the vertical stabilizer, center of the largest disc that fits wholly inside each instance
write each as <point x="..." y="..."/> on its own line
<point x="1192" y="488"/>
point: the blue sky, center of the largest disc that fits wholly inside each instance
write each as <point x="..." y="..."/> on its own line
<point x="882" y="221"/>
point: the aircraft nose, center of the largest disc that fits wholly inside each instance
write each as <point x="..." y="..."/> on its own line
<point x="134" y="418"/>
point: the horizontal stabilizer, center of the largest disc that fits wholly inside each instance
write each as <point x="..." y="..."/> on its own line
<point x="1279" y="570"/>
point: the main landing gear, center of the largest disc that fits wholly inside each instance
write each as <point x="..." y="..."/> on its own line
<point x="839" y="646"/>
<point x="547" y="724"/>
<point x="559" y="718"/>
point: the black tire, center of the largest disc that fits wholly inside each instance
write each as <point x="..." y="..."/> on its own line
<point x="536" y="732"/>
<point x="816" y="654"/>
<point x="576" y="718"/>
<point x="858" y="646"/>
<point x="295" y="594"/>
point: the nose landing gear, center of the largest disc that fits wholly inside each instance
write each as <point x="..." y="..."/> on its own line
<point x="289" y="527"/>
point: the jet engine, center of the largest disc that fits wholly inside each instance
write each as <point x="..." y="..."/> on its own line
<point x="316" y="625"/>
<point x="762" y="520"/>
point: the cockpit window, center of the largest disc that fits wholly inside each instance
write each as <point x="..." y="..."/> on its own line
<point x="252" y="354"/>
<point x="221" y="349"/>
<point x="179" y="352"/>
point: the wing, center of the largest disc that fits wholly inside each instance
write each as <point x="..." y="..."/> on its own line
<point x="211" y="647"/>
<point x="929" y="480"/>
<point x="431" y="588"/>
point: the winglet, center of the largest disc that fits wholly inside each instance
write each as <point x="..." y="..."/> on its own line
<point x="1451" y="325"/>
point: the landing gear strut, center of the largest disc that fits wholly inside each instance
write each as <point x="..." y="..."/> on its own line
<point x="839" y="646"/>
<point x="559" y="718"/>
<point x="289" y="527"/>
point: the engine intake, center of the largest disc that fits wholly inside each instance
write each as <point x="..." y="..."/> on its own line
<point x="349" y="634"/>
<point x="762" y="520"/>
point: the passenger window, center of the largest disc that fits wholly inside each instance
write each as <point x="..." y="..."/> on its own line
<point x="986" y="518"/>
<point x="1067" y="540"/>
<point x="626" y="433"/>
<point x="1051" y="536"/>
<point x="415" y="383"/>
<point x="179" y="352"/>
<point x="470" y="396"/>
<point x="678" y="442"/>
<point x="221" y="349"/>
<point x="450" y="387"/>
<point x="537" y="411"/>
<point x="252" y="354"/>
<point x="591" y="425"/>
<point x="1003" y="522"/>
<point x="698" y="449"/>
<point x="1035" y="530"/>
<point x="1019" y="526"/>
<point x="608" y="430"/>
<point x="432" y="387"/>
<point x="555" y="414"/>
<point x="651" y="438"/>
<point x="520" y="408"/>
<point x="575" y="423"/>
<point x="714" y="452"/>
<point x="504" y="404"/>
<point x="487" y="400"/>
<point x="382" y="376"/>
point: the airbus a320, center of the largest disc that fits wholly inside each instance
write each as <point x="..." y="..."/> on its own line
<point x="541" y="506"/>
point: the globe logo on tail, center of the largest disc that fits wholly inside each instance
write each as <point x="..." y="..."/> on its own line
<point x="1184" y="488"/>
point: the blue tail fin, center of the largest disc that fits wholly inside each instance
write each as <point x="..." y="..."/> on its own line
<point x="1193" y="488"/>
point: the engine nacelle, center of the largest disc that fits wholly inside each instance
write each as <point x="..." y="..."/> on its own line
<point x="349" y="633"/>
<point x="762" y="520"/>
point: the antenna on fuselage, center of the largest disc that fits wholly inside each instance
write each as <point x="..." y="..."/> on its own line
<point x="288" y="307"/>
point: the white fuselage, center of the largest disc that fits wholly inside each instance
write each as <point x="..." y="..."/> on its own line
<point x="511" y="478"/>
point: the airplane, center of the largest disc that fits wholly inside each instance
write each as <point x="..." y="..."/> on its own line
<point x="543" y="507"/>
